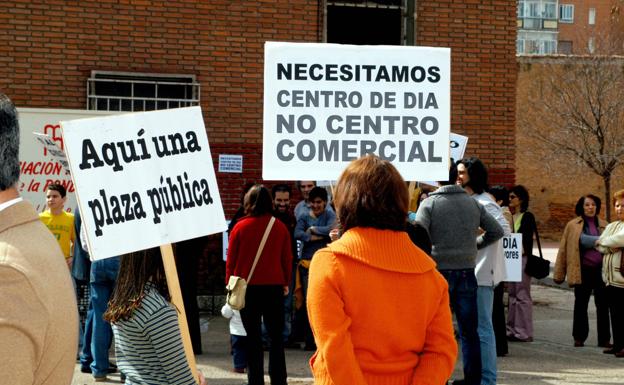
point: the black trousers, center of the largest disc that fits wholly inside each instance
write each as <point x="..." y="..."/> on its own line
<point x="615" y="300"/>
<point x="591" y="278"/>
<point x="264" y="302"/>
<point x="498" y="320"/>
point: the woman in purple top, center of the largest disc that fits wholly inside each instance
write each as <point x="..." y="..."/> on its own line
<point x="582" y="264"/>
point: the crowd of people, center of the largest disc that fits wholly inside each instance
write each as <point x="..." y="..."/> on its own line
<point x="325" y="277"/>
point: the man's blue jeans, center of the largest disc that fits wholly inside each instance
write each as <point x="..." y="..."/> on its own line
<point x="103" y="277"/>
<point x="463" y="297"/>
<point x="485" y="302"/>
<point x="86" y="358"/>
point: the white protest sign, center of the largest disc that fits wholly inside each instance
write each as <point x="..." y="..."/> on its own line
<point x="53" y="149"/>
<point x="143" y="179"/>
<point x="512" y="246"/>
<point x="328" y="104"/>
<point x="458" y="145"/>
<point x="38" y="166"/>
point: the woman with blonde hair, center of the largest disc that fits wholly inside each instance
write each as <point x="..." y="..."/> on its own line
<point x="610" y="243"/>
<point x="378" y="307"/>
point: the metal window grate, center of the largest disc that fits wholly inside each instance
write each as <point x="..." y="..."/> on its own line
<point x="117" y="91"/>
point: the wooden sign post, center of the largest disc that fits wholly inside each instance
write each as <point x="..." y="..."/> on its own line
<point x="176" y="299"/>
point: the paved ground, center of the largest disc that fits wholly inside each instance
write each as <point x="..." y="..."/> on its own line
<point x="549" y="360"/>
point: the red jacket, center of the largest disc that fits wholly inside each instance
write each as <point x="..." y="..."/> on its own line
<point x="275" y="264"/>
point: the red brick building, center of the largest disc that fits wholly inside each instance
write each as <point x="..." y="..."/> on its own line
<point x="590" y="26"/>
<point x="150" y="54"/>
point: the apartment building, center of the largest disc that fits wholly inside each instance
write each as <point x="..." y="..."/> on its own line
<point x="577" y="27"/>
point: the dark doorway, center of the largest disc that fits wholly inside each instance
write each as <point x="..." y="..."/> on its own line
<point x="359" y="23"/>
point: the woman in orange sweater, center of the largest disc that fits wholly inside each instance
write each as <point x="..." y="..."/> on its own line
<point x="378" y="308"/>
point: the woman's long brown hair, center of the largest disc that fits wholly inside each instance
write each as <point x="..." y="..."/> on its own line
<point x="136" y="270"/>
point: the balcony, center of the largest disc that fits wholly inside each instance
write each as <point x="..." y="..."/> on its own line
<point x="537" y="23"/>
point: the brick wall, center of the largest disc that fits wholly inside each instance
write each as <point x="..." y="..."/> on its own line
<point x="555" y="180"/>
<point x="482" y="36"/>
<point x="48" y="49"/>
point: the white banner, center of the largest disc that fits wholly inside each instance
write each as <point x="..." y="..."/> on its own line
<point x="512" y="246"/>
<point x="143" y="179"/>
<point x="328" y="104"/>
<point x="458" y="146"/>
<point x="38" y="165"/>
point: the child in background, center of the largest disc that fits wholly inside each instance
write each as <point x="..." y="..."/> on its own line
<point x="58" y="221"/>
<point x="238" y="337"/>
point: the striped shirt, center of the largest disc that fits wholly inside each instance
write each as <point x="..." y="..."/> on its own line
<point x="148" y="346"/>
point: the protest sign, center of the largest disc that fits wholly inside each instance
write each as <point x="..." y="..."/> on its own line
<point x="40" y="139"/>
<point x="457" y="145"/>
<point x="143" y="179"/>
<point x="51" y="147"/>
<point x="328" y="104"/>
<point x="512" y="248"/>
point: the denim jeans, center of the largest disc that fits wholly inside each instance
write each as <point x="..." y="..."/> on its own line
<point x="103" y="277"/>
<point x="239" y="351"/>
<point x="463" y="297"/>
<point x="485" y="299"/>
<point x="86" y="358"/>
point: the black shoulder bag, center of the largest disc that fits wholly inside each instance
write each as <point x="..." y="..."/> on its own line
<point x="536" y="266"/>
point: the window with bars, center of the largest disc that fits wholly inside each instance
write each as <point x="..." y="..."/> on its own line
<point x="122" y="91"/>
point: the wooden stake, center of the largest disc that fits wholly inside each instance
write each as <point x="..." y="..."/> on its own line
<point x="176" y="298"/>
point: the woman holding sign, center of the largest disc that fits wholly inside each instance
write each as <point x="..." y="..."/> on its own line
<point x="377" y="305"/>
<point x="148" y="344"/>
<point x="582" y="264"/>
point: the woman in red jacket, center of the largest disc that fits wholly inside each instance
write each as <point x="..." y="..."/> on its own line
<point x="378" y="307"/>
<point x="264" y="299"/>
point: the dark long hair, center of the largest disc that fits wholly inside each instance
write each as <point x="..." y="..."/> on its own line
<point x="258" y="201"/>
<point x="578" y="209"/>
<point x="477" y="172"/>
<point x="136" y="270"/>
<point x="523" y="194"/>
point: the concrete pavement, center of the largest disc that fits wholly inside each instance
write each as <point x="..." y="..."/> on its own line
<point x="550" y="360"/>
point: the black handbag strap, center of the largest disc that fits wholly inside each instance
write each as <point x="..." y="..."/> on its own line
<point x="539" y="245"/>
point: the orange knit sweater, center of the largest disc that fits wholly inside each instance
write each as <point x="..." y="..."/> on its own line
<point x="380" y="312"/>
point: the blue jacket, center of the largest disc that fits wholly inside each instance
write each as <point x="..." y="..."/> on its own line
<point x="81" y="266"/>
